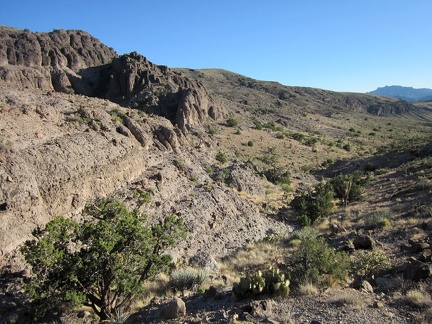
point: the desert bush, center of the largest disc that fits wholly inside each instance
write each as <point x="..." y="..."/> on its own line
<point x="307" y="289"/>
<point x="221" y="157"/>
<point x="101" y="263"/>
<point x="419" y="298"/>
<point x="317" y="263"/>
<point x="314" y="204"/>
<point x="377" y="220"/>
<point x="347" y="147"/>
<point x="144" y="197"/>
<point x="306" y="233"/>
<point x="250" y="144"/>
<point x="211" y="131"/>
<point x="349" y="187"/>
<point x="232" y="122"/>
<point x="370" y="263"/>
<point x="4" y="144"/>
<point x="187" y="279"/>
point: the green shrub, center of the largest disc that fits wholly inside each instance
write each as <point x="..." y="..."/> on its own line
<point x="347" y="147"/>
<point x="211" y="131"/>
<point x="221" y="157"/>
<point x="250" y="143"/>
<point x="348" y="187"/>
<point x="144" y="197"/>
<point x="370" y="263"/>
<point x="377" y="220"/>
<point x="369" y="167"/>
<point x="258" y="125"/>
<point x="232" y="122"/>
<point x="314" y="204"/>
<point x="317" y="263"/>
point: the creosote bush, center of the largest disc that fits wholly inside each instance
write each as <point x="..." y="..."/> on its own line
<point x="221" y="157"/>
<point x="101" y="263"/>
<point x="232" y="122"/>
<point x="377" y="220"/>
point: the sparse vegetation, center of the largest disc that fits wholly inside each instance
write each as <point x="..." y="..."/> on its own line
<point x="232" y="122"/>
<point x="221" y="157"/>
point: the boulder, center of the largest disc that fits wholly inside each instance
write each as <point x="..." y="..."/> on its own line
<point x="363" y="242"/>
<point x="174" y="309"/>
<point x="417" y="270"/>
<point x="204" y="261"/>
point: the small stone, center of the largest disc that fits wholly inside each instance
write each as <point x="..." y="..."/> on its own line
<point x="84" y="314"/>
<point x="366" y="286"/>
<point x="378" y="304"/>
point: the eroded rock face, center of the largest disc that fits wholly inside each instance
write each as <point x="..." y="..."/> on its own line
<point x="59" y="151"/>
<point x="74" y="61"/>
<point x="61" y="60"/>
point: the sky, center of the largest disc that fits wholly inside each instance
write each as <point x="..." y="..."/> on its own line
<point x="339" y="45"/>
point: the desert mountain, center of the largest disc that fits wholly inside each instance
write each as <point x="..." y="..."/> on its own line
<point x="405" y="93"/>
<point x="80" y="122"/>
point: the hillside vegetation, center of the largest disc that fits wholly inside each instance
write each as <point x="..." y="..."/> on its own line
<point x="246" y="164"/>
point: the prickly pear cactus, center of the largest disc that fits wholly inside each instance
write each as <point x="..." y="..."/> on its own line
<point x="272" y="283"/>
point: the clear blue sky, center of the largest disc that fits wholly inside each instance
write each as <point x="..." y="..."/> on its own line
<point x="341" y="45"/>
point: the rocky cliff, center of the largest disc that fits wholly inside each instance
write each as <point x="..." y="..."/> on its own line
<point x="78" y="122"/>
<point x="75" y="62"/>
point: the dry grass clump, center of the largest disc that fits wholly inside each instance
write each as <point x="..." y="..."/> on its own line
<point x="308" y="289"/>
<point x="253" y="256"/>
<point x="419" y="298"/>
<point x="188" y="279"/>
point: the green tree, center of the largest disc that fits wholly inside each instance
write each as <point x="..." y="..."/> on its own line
<point x="102" y="262"/>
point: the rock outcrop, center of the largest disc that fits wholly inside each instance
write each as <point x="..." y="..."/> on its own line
<point x="73" y="61"/>
<point x="59" y="151"/>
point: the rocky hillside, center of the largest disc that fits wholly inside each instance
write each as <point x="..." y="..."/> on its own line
<point x="60" y="149"/>
<point x="79" y="122"/>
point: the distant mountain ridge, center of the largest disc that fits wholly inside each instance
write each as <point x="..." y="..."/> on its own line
<point x="405" y="93"/>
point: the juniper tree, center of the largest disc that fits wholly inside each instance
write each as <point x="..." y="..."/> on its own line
<point x="101" y="262"/>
